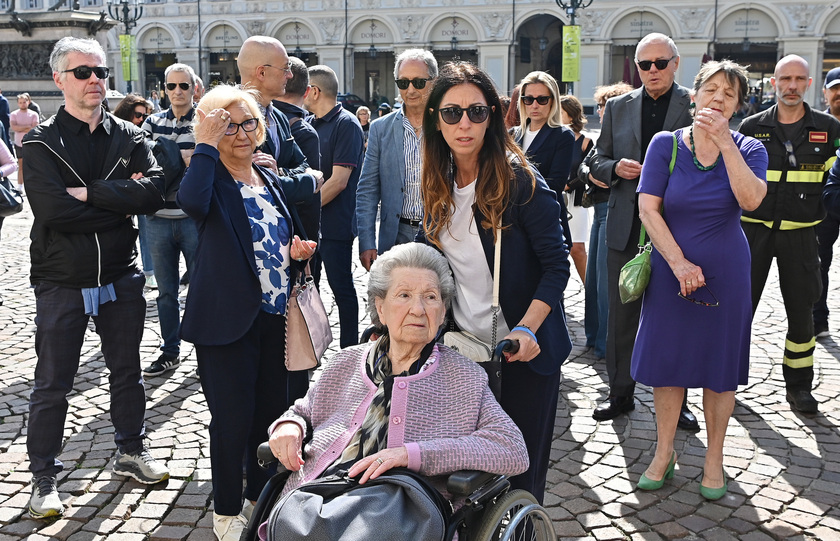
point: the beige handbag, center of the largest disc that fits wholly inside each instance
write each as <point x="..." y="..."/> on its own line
<point x="308" y="332"/>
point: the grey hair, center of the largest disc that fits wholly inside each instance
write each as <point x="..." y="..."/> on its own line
<point x="411" y="255"/>
<point x="65" y="46"/>
<point x="182" y="68"/>
<point x="417" y="54"/>
<point x="657" y="37"/>
<point x="734" y="73"/>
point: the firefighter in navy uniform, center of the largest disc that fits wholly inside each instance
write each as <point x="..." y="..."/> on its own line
<point x="801" y="144"/>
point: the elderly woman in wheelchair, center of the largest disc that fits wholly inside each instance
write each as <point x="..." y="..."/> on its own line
<point x="403" y="401"/>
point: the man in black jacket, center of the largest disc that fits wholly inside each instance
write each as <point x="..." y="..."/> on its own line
<point x="89" y="174"/>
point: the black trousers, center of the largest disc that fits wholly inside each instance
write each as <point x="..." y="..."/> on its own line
<point x="622" y="321"/>
<point x="795" y="252"/>
<point x="827" y="233"/>
<point x="247" y="387"/>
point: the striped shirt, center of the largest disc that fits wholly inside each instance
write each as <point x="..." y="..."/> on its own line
<point x="164" y="124"/>
<point x="412" y="207"/>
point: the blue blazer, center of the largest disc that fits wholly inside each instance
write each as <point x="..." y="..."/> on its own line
<point x="552" y="152"/>
<point x="535" y="265"/>
<point x="225" y="294"/>
<point x="381" y="184"/>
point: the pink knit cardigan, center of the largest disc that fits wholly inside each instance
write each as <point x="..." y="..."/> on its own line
<point x="445" y="416"/>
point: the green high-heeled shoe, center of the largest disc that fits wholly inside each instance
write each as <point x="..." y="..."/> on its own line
<point x="646" y="483"/>
<point x="713" y="494"/>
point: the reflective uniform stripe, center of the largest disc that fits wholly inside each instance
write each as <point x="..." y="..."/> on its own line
<point x="785" y="225"/>
<point x="799" y="355"/>
<point x="796" y="176"/>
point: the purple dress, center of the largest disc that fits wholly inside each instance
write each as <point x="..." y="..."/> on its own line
<point x="679" y="343"/>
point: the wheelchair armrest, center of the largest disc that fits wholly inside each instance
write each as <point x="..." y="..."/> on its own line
<point x="465" y="482"/>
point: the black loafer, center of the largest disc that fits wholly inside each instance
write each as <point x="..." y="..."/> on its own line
<point x="613" y="407"/>
<point x="802" y="401"/>
<point x="687" y="420"/>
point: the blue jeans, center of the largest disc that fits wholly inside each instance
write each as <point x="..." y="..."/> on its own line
<point x="167" y="240"/>
<point x="145" y="256"/>
<point x="337" y="257"/>
<point x="597" y="301"/>
<point x="61" y="323"/>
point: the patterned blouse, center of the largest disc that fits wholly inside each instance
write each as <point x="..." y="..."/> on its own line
<point x="271" y="235"/>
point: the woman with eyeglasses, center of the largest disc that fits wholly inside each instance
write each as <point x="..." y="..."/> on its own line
<point x="478" y="187"/>
<point x="246" y="241"/>
<point x="694" y="330"/>
<point x="135" y="109"/>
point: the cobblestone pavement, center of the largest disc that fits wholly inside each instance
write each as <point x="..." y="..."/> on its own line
<point x="784" y="468"/>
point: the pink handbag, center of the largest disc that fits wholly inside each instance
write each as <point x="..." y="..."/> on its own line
<point x="308" y="332"/>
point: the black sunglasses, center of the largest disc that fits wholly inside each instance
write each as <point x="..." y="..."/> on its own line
<point x="477" y="114"/>
<point x="699" y="302"/>
<point x="247" y="126"/>
<point x="171" y="86"/>
<point x="418" y="83"/>
<point x="528" y="100"/>
<point x="82" y="73"/>
<point x="138" y="114"/>
<point x="661" y="64"/>
<point x="790" y="156"/>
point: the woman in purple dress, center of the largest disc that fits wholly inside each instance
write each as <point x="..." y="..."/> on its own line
<point x="696" y="313"/>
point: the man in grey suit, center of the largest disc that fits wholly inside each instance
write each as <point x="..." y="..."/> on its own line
<point x="629" y="123"/>
<point x="390" y="176"/>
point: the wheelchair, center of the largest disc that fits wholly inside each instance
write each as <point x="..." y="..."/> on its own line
<point x="489" y="511"/>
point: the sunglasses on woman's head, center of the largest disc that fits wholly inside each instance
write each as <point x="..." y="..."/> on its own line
<point x="418" y="83"/>
<point x="661" y="64"/>
<point x="171" y="86"/>
<point x="138" y="114"/>
<point x="528" y="100"/>
<point x="477" y="114"/>
<point x="82" y="73"/>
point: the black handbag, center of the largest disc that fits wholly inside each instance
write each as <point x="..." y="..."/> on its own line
<point x="11" y="201"/>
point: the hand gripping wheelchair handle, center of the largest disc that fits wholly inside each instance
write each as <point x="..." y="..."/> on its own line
<point x="267" y="459"/>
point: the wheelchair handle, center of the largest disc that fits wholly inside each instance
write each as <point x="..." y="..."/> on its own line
<point x="265" y="456"/>
<point x="505" y="346"/>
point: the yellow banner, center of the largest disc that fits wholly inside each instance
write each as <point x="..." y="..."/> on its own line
<point x="128" y="55"/>
<point x="571" y="54"/>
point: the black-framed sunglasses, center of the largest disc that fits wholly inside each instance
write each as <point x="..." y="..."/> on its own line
<point x="702" y="302"/>
<point x="138" y="115"/>
<point x="601" y="106"/>
<point x="171" y="86"/>
<point x="247" y="126"/>
<point x="82" y="73"/>
<point x="418" y="83"/>
<point x="477" y="114"/>
<point x="790" y="156"/>
<point x="528" y="100"/>
<point x="660" y="64"/>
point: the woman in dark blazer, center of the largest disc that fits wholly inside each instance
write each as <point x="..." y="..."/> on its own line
<point x="477" y="184"/>
<point x="545" y="141"/>
<point x="235" y="310"/>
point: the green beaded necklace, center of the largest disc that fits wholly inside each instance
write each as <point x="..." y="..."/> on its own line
<point x="694" y="155"/>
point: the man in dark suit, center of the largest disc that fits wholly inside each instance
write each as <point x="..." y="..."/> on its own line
<point x="630" y="121"/>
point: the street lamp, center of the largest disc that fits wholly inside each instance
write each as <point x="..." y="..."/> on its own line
<point x="127" y="12"/>
<point x="571" y="7"/>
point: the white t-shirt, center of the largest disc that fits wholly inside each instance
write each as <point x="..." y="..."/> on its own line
<point x="473" y="281"/>
<point x="528" y="139"/>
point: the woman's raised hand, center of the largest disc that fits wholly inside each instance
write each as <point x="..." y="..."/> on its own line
<point x="211" y="126"/>
<point x="378" y="463"/>
<point x="714" y="124"/>
<point x="286" y="444"/>
<point x="302" y="249"/>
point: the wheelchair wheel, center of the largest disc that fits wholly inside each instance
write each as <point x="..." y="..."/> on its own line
<point x="515" y="515"/>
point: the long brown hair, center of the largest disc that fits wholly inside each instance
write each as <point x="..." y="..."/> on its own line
<point x="496" y="157"/>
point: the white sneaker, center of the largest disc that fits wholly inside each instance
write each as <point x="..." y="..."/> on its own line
<point x="44" y="501"/>
<point x="141" y="466"/>
<point x="228" y="528"/>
